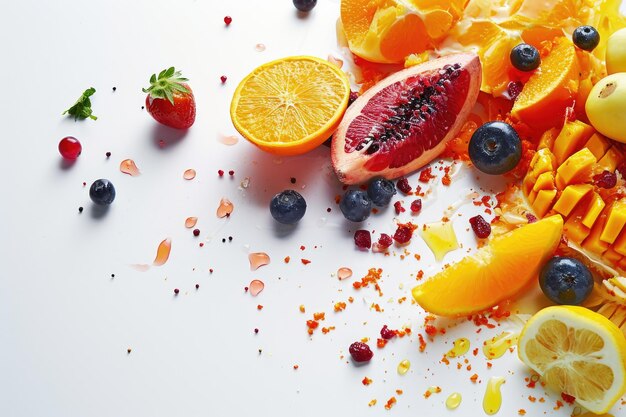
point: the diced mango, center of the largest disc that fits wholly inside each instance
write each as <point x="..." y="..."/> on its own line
<point x="576" y="169"/>
<point x="570" y="196"/>
<point x="593" y="243"/>
<point x="615" y="222"/>
<point x="598" y="145"/>
<point x="593" y="210"/>
<point x="527" y="184"/>
<point x="620" y="243"/>
<point x="547" y="139"/>
<point x="574" y="229"/>
<point x="532" y="196"/>
<point x="611" y="256"/>
<point x="611" y="159"/>
<point x="545" y="181"/>
<point x="542" y="161"/>
<point x="572" y="137"/>
<point x="542" y="203"/>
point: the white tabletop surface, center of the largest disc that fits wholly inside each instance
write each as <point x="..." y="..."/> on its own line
<point x="66" y="324"/>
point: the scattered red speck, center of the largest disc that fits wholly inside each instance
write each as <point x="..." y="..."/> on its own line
<point x="220" y="172"/>
<point x="521" y="412"/>
<point x="568" y="398"/>
<point x="305" y="261"/>
<point x="84" y="184"/>
<point x="486" y="200"/>
<point x="481" y="228"/>
<point x="430" y="330"/>
<point x="363" y="239"/>
<point x="256" y="330"/>
<point x="339" y="306"/>
<point x="196" y="232"/>
<point x="404" y="233"/>
<point x="380" y="343"/>
<point x="201" y="244"/>
<point x="605" y="179"/>
<point x="197" y="286"/>
<point x="227" y="20"/>
<point x="386" y="333"/>
<point x="366" y="381"/>
<point x="259" y="307"/>
<point x="422" y="342"/>
<point x="328" y="210"/>
<point x="426" y="175"/>
<point x="302" y="247"/>
<point x="559" y="404"/>
<point x="319" y="316"/>
<point x="474" y="378"/>
<point x="416" y="206"/>
<point x="176" y="291"/>
<point x="403" y="185"/>
<point x="223" y="79"/>
<point x="390" y="403"/>
<point x="287" y="259"/>
<point x="360" y="352"/>
<point x="372" y="277"/>
<point x="231" y="172"/>
<point x="295" y="367"/>
<point x="210" y="270"/>
<point x="398" y="206"/>
<point x="446" y="179"/>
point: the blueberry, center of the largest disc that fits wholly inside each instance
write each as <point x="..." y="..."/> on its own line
<point x="586" y="37"/>
<point x="380" y="191"/>
<point x="304" y="5"/>
<point x="102" y="192"/>
<point x="566" y="281"/>
<point x="495" y="148"/>
<point x="288" y="207"/>
<point x="525" y="57"/>
<point x="355" y="205"/>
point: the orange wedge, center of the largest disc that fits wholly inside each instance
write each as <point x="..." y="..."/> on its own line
<point x="551" y="89"/>
<point x="494" y="273"/>
<point x="291" y="105"/>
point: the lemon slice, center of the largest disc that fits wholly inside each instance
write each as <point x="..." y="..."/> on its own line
<point x="578" y="352"/>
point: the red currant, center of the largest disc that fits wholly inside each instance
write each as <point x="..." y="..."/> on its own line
<point x="70" y="147"/>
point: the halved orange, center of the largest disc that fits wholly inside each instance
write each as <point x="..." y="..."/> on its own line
<point x="494" y="273"/>
<point x="291" y="105"/>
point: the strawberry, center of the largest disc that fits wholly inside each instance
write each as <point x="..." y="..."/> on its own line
<point x="170" y="101"/>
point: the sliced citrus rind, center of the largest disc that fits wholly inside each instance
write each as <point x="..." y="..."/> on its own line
<point x="291" y="105"/>
<point x="494" y="273"/>
<point x="577" y="352"/>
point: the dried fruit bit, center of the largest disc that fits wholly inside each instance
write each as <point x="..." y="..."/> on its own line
<point x="360" y="352"/>
<point x="481" y="228"/>
<point x="258" y="259"/>
<point x="390" y="403"/>
<point x="363" y="239"/>
<point x="344" y="273"/>
<point x="339" y="306"/>
<point x="287" y="259"/>
<point x="259" y="307"/>
<point x="380" y="343"/>
<point x="372" y="403"/>
<point x="386" y="333"/>
<point x="398" y="206"/>
<point x="416" y="206"/>
<point x="426" y="175"/>
<point x="605" y="179"/>
<point x="403" y="185"/>
<point x="256" y="286"/>
<point x="305" y="261"/>
<point x="366" y="381"/>
<point x="384" y="241"/>
<point x="404" y="233"/>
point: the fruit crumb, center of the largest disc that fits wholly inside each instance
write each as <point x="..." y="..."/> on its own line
<point x="372" y="403"/>
<point x="426" y="175"/>
<point x="366" y="381"/>
<point x="287" y="259"/>
<point x="305" y="261"/>
<point x="390" y="403"/>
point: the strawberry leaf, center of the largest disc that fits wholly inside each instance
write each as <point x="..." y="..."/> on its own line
<point x="168" y="83"/>
<point x="82" y="108"/>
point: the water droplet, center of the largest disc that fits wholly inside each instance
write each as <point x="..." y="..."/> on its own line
<point x="228" y="140"/>
<point x="453" y="401"/>
<point x="256" y="286"/>
<point x="225" y="208"/>
<point x="461" y="346"/>
<point x="344" y="273"/>
<point x="258" y="259"/>
<point x="190" y="222"/>
<point x="189" y="174"/>
<point x="245" y="183"/>
<point x="259" y="47"/>
<point x="495" y="347"/>
<point x="493" y="397"/>
<point x="404" y="366"/>
<point x="335" y="61"/>
<point x="127" y="166"/>
<point x="163" y="252"/>
<point x="140" y="267"/>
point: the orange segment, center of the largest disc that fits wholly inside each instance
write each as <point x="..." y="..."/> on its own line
<point x="291" y="105"/>
<point x="494" y="273"/>
<point x="551" y="89"/>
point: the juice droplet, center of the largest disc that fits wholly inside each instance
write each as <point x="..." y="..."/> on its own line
<point x="440" y="238"/>
<point x="225" y="208"/>
<point x="256" y="286"/>
<point x="495" y="347"/>
<point x="404" y="366"/>
<point x="127" y="166"/>
<point x="228" y="140"/>
<point x="140" y="267"/>
<point x="493" y="397"/>
<point x="191" y="222"/>
<point x="335" y="61"/>
<point x="461" y="346"/>
<point x="189" y="174"/>
<point x="453" y="401"/>
<point x="163" y="252"/>
<point x="258" y="259"/>
<point x="259" y="47"/>
<point x="344" y="273"/>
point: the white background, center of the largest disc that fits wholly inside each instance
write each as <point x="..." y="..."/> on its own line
<point x="66" y="324"/>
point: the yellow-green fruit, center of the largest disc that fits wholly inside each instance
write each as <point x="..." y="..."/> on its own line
<point x="616" y="52"/>
<point x="606" y="106"/>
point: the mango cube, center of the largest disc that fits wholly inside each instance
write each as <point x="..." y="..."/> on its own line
<point x="545" y="181"/>
<point x="598" y="145"/>
<point x="595" y="207"/>
<point x="576" y="169"/>
<point x="570" y="197"/>
<point x="543" y="201"/>
<point x="611" y="159"/>
<point x="615" y="222"/>
<point x="572" y="137"/>
<point x="593" y="243"/>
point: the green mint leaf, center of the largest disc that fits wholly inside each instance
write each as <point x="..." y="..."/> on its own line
<point x="82" y="108"/>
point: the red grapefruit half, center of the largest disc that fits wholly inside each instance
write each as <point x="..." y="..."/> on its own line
<point x="404" y="121"/>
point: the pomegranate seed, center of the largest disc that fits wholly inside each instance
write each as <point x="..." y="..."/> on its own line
<point x="362" y="239"/>
<point x="231" y="172"/>
<point x="531" y="218"/>
<point x="223" y="78"/>
<point x="514" y="88"/>
<point x="227" y="20"/>
<point x="416" y="206"/>
<point x="384" y="240"/>
<point x="403" y="185"/>
<point x="403" y="234"/>
<point x="70" y="148"/>
<point x="605" y="179"/>
<point x="386" y="333"/>
<point x="220" y="172"/>
<point x="176" y="291"/>
<point x="398" y="206"/>
<point x="196" y="232"/>
<point x="481" y="228"/>
<point x="353" y="96"/>
<point x="360" y="352"/>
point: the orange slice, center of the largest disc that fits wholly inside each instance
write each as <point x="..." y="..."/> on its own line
<point x="551" y="89"/>
<point x="492" y="274"/>
<point x="291" y="105"/>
